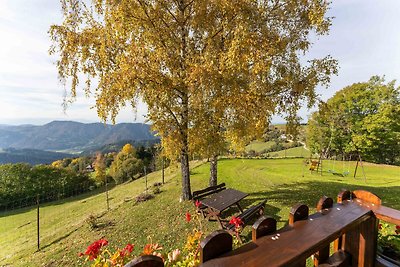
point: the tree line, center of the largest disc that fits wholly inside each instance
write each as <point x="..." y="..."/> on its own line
<point x="23" y="181"/>
<point x="361" y="119"/>
<point x="61" y="178"/>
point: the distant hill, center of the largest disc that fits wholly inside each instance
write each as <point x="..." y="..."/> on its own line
<point x="71" y="136"/>
<point x="116" y="147"/>
<point x="31" y="156"/>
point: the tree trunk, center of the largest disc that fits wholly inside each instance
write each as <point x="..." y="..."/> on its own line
<point x="186" y="192"/>
<point x="213" y="170"/>
<point x="184" y="96"/>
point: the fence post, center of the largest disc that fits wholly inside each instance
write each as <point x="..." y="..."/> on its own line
<point x="162" y="166"/>
<point x="145" y="176"/>
<point x="108" y="204"/>
<point x="38" y="223"/>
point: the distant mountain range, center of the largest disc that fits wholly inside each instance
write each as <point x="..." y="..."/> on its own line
<point x="31" y="156"/>
<point x="71" y="137"/>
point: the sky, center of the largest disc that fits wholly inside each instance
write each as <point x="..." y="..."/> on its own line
<point x="364" y="38"/>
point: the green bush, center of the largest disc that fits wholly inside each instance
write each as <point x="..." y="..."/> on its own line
<point x="126" y="166"/>
<point x="22" y="181"/>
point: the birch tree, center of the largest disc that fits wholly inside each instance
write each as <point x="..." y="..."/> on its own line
<point x="239" y="57"/>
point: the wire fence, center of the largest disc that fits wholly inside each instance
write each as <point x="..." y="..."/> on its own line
<point x="60" y="194"/>
<point x="40" y="220"/>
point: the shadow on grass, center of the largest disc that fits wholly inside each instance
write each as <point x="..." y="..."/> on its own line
<point x="310" y="192"/>
<point x="58" y="239"/>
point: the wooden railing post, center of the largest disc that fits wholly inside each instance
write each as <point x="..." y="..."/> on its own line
<point x="324" y="204"/>
<point x="214" y="245"/>
<point x="368" y="231"/>
<point x="263" y="226"/>
<point x="298" y="212"/>
<point x="369" y="241"/>
<point x="361" y="242"/>
<point x="343" y="195"/>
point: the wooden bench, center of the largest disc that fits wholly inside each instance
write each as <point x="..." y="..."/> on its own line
<point x="201" y="194"/>
<point x="247" y="215"/>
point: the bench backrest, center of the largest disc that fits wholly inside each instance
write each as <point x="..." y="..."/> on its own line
<point x="248" y="214"/>
<point x="199" y="194"/>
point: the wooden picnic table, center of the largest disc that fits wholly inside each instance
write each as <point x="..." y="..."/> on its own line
<point x="220" y="201"/>
<point x="291" y="245"/>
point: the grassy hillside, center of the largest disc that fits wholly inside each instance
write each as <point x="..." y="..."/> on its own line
<point x="65" y="232"/>
<point x="64" y="229"/>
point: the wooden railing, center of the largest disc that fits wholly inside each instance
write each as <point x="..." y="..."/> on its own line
<point x="351" y="225"/>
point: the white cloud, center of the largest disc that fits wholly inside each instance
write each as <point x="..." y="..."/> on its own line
<point x="29" y="88"/>
<point x="364" y="38"/>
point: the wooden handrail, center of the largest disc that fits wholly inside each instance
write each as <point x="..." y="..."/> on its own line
<point x="352" y="221"/>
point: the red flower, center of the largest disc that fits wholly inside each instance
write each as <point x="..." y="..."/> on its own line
<point x="129" y="247"/>
<point x="397" y="227"/>
<point x="236" y="221"/>
<point x="93" y="249"/>
<point x="188" y="216"/>
<point x="127" y="250"/>
<point x="197" y="203"/>
<point x="103" y="242"/>
<point x="379" y="226"/>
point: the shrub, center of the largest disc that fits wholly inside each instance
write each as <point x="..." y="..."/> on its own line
<point x="143" y="197"/>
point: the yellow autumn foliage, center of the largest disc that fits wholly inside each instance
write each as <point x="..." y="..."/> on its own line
<point x="207" y="70"/>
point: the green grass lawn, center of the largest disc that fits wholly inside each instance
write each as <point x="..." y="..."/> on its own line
<point x="283" y="182"/>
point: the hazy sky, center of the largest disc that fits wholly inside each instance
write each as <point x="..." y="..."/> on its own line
<point x="364" y="37"/>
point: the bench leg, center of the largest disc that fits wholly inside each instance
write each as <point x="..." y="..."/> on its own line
<point x="239" y="207"/>
<point x="214" y="215"/>
<point x="237" y="234"/>
<point x="220" y="222"/>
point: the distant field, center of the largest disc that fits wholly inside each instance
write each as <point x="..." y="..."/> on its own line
<point x="283" y="182"/>
<point x="291" y="152"/>
<point x="259" y="146"/>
